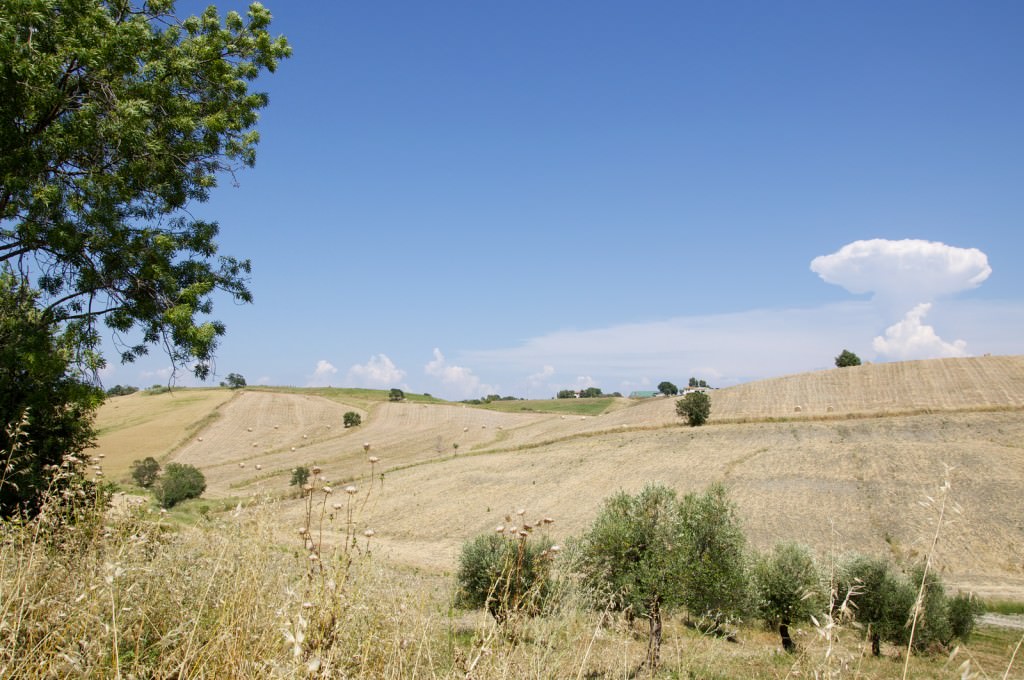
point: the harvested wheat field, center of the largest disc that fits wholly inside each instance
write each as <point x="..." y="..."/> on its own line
<point x="858" y="467"/>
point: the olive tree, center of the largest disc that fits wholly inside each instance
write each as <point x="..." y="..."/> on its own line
<point x="881" y="599"/>
<point x="788" y="587"/>
<point x="715" y="579"/>
<point x="634" y="556"/>
<point x="505" y="572"/>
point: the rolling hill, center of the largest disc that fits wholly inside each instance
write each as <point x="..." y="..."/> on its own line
<point x="867" y="462"/>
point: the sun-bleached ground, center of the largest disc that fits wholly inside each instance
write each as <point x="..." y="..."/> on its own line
<point x="852" y="469"/>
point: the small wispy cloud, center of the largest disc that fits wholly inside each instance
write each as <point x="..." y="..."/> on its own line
<point x="456" y="380"/>
<point x="322" y="374"/>
<point x="379" y="372"/>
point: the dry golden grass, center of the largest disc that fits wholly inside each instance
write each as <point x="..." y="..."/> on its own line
<point x="850" y="478"/>
<point x="140" y="424"/>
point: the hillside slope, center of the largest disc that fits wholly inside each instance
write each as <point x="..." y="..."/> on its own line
<point x="849" y="470"/>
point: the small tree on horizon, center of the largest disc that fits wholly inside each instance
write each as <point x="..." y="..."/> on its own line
<point x="847" y="358"/>
<point x="667" y="388"/>
<point x="396" y="394"/>
<point x="695" y="407"/>
<point x="234" y="381"/>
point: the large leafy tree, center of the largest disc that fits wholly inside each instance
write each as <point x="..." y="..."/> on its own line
<point x="115" y="116"/>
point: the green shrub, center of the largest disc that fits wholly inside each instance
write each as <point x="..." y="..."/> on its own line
<point x="300" y="476"/>
<point x="933" y="628"/>
<point x="881" y="599"/>
<point x="788" y="586"/>
<point x="963" y="611"/>
<point x="695" y="407"/>
<point x="506" y="574"/>
<point x="633" y="555"/>
<point x="396" y="394"/>
<point x="716" y="580"/>
<point x="145" y="471"/>
<point x="352" y="419"/>
<point x="179" y="482"/>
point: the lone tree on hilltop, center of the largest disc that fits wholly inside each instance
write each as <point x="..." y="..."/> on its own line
<point x="234" y="381"/>
<point x="667" y="388"/>
<point x="396" y="394"/>
<point x="695" y="407"/>
<point x="847" y="358"/>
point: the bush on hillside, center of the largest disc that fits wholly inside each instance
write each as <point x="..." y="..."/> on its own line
<point x="695" y="407"/>
<point x="145" y="471"/>
<point x="121" y="390"/>
<point x="396" y="394"/>
<point x="352" y="419"/>
<point x="506" y="573"/>
<point x="179" y="482"/>
<point x="300" y="476"/>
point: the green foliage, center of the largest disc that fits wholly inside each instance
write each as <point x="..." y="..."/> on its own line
<point x="505" y="574"/>
<point x="590" y="393"/>
<point x="46" y="406"/>
<point x="881" y="598"/>
<point x="116" y="117"/>
<point x="300" y="476"/>
<point x="788" y="587"/>
<point x="695" y="407"/>
<point x="847" y="358"/>
<point x="352" y="419"/>
<point x="234" y="381"/>
<point x="716" y="582"/>
<point x="933" y="626"/>
<point x="566" y="394"/>
<point x="121" y="390"/>
<point x="145" y="471"/>
<point x="179" y="482"/>
<point x="396" y="394"/>
<point x="632" y="556"/>
<point x="963" y="612"/>
<point x="667" y="388"/>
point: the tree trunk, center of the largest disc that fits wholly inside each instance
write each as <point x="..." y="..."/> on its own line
<point x="787" y="642"/>
<point x="654" y="642"/>
<point x="876" y="644"/>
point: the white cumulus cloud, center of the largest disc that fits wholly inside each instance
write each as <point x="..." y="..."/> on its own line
<point x="378" y="372"/>
<point x="456" y="379"/>
<point x="912" y="339"/>
<point x="322" y="374"/>
<point x="903" y="273"/>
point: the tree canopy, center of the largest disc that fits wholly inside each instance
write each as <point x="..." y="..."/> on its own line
<point x="667" y="388"/>
<point x="114" y="117"/>
<point x="847" y="358"/>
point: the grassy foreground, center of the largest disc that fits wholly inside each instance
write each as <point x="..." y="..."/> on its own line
<point x="135" y="594"/>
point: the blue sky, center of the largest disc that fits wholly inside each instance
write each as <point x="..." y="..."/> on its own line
<point x="465" y="198"/>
